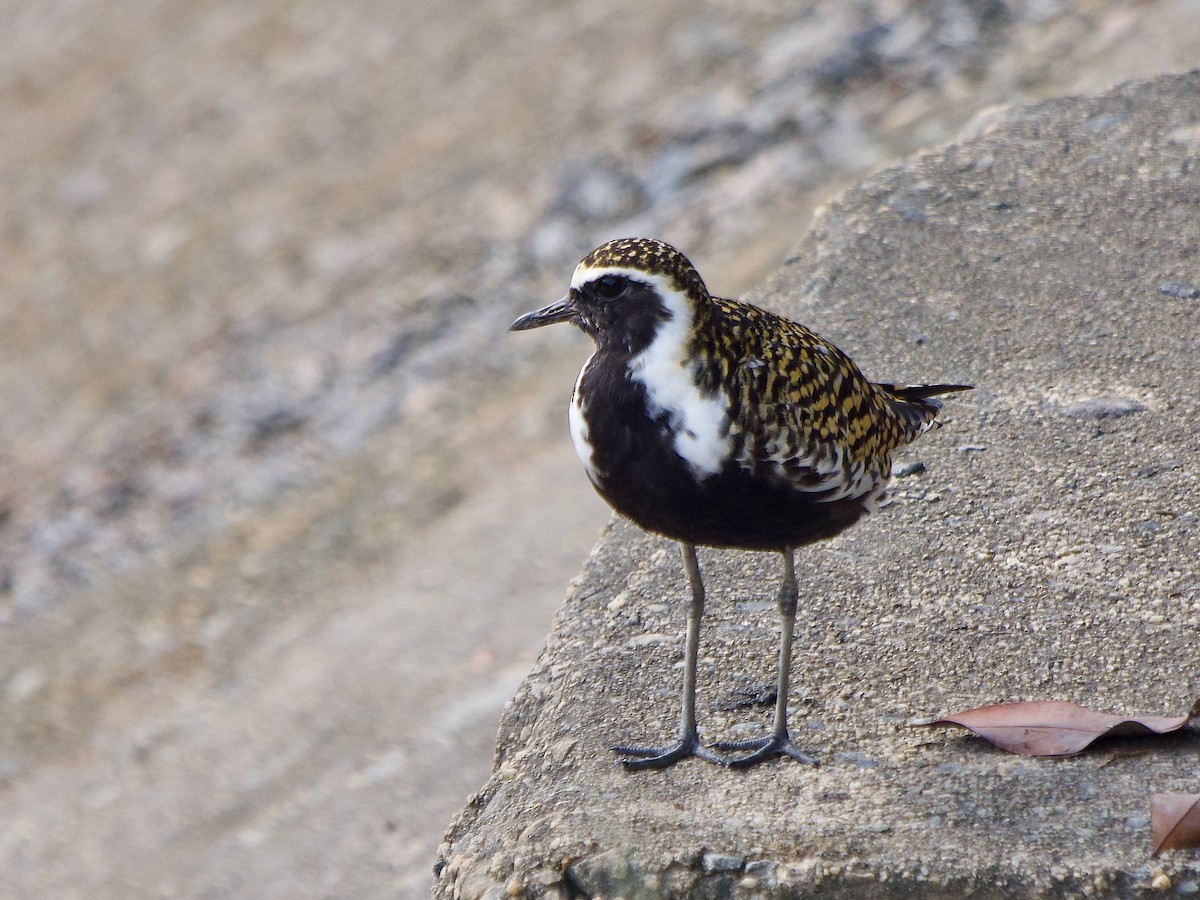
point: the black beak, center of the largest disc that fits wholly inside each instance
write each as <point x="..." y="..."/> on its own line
<point x="558" y="311"/>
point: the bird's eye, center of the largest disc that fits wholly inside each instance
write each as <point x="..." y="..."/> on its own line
<point x="610" y="286"/>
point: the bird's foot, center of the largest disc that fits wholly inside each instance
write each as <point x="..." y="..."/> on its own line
<point x="661" y="757"/>
<point x="778" y="744"/>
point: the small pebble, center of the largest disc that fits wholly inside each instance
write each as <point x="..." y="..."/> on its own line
<point x="1102" y="408"/>
<point x="1182" y="289"/>
<point x="722" y="862"/>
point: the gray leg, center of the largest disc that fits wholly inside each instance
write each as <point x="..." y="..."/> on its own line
<point x="689" y="738"/>
<point x="779" y="742"/>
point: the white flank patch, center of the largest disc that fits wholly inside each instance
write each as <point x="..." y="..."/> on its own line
<point x="837" y="478"/>
<point x="697" y="420"/>
<point x="579" y="429"/>
<point x="855" y="481"/>
<point x="875" y="497"/>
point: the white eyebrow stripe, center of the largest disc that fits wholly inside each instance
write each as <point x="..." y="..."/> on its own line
<point x="586" y="275"/>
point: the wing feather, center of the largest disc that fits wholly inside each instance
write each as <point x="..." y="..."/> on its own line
<point x="800" y="409"/>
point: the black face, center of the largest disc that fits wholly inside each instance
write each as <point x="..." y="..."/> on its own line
<point x="620" y="313"/>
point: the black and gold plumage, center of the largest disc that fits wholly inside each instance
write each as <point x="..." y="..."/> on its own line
<point x="716" y="423"/>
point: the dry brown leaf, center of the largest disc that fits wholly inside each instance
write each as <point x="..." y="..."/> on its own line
<point x="1174" y="822"/>
<point x="1053" y="727"/>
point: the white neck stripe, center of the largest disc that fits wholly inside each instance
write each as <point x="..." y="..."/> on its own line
<point x="698" y="419"/>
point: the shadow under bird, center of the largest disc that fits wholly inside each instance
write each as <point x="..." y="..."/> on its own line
<point x="716" y="423"/>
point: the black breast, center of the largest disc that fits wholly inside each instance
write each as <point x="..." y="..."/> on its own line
<point x="641" y="476"/>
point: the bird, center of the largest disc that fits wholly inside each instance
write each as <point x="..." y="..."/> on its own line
<point x="716" y="423"/>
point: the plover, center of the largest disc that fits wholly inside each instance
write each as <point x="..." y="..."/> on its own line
<point x="719" y="424"/>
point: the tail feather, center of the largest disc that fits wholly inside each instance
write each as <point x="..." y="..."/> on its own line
<point x="914" y="404"/>
<point x="913" y="392"/>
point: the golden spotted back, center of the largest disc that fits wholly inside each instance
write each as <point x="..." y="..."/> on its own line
<point x="797" y="403"/>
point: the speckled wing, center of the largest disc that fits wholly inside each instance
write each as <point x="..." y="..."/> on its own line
<point x="800" y="410"/>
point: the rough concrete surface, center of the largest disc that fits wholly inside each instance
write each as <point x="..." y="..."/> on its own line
<point x="284" y="515"/>
<point x="1049" y="551"/>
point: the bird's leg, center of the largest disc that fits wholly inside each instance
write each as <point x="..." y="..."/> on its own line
<point x="689" y="738"/>
<point x="779" y="742"/>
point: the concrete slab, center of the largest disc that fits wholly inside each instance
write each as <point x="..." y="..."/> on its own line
<point x="1050" y="549"/>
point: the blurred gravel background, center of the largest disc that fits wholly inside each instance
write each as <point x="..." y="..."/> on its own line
<point x="284" y="514"/>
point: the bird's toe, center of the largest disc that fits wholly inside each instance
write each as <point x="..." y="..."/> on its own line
<point x="762" y="749"/>
<point x="662" y="757"/>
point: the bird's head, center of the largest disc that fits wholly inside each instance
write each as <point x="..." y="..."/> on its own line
<point x="623" y="291"/>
